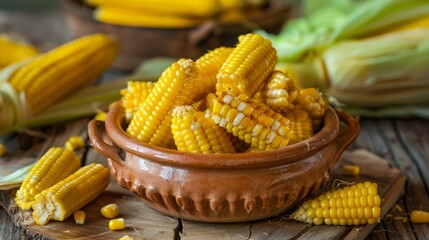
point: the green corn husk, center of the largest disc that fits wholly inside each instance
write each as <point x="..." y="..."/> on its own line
<point x="359" y="59"/>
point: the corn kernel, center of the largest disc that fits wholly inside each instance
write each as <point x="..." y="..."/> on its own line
<point x="74" y="142"/>
<point x="101" y="116"/>
<point x="126" y="237"/>
<point x="419" y="216"/>
<point x="79" y="217"/>
<point x="110" y="210"/>
<point x="117" y="224"/>
<point x="351" y="170"/>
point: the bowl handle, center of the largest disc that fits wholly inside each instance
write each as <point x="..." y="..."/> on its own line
<point x="347" y="135"/>
<point x="97" y="134"/>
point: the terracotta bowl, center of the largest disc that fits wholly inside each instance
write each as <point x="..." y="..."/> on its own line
<point x="222" y="187"/>
<point x="139" y="43"/>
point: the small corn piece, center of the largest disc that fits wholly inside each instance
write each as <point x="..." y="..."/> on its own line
<point x="14" y="51"/>
<point x="63" y="70"/>
<point x="55" y="165"/>
<point x="356" y="204"/>
<point x="117" y="224"/>
<point x="3" y="150"/>
<point x="418" y="216"/>
<point x="302" y="125"/>
<point x="193" y="132"/>
<point x="101" y="116"/>
<point x="351" y="170"/>
<point x="126" y="237"/>
<point x="247" y="67"/>
<point x="110" y="210"/>
<point x="64" y="198"/>
<point x="312" y="101"/>
<point x="254" y="123"/>
<point x="79" y="217"/>
<point x="188" y="8"/>
<point x="139" y="18"/>
<point x="132" y="96"/>
<point x="74" y="142"/>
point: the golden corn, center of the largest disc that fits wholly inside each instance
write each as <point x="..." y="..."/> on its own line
<point x="67" y="196"/>
<point x="101" y="116"/>
<point x="132" y="96"/>
<point x="193" y="132"/>
<point x="254" y="123"/>
<point x="74" y="142"/>
<point x="55" y="165"/>
<point x="63" y="70"/>
<point x="418" y="216"/>
<point x="110" y="210"/>
<point x="117" y="224"/>
<point x="357" y="204"/>
<point x="351" y="170"/>
<point x="79" y="217"/>
<point x="126" y="237"/>
<point x="14" y="51"/>
<point x="312" y="101"/>
<point x="141" y="18"/>
<point x="247" y="67"/>
<point x="3" y="150"/>
<point x="302" y="125"/>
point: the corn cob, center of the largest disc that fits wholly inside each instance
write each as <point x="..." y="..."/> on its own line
<point x="132" y="96"/>
<point x="193" y="132"/>
<point x="178" y="85"/>
<point x="352" y="205"/>
<point x="55" y="165"/>
<point x="141" y="18"/>
<point x="312" y="101"/>
<point x="14" y="51"/>
<point x="254" y="123"/>
<point x="302" y="125"/>
<point x="60" y="72"/>
<point x="247" y="67"/>
<point x="64" y="198"/>
<point x="187" y="8"/>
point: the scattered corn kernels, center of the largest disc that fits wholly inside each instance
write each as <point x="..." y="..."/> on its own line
<point x="3" y="150"/>
<point x="117" y="224"/>
<point x="351" y="170"/>
<point x="419" y="216"/>
<point x="110" y="210"/>
<point x="79" y="217"/>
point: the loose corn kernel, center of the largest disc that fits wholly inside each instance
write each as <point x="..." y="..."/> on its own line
<point x="117" y="224"/>
<point x="351" y="170"/>
<point x="110" y="210"/>
<point x="101" y="116"/>
<point x="398" y="208"/>
<point x="3" y="150"/>
<point x="74" y="142"/>
<point x="126" y="237"/>
<point x="79" y="217"/>
<point x="418" y="216"/>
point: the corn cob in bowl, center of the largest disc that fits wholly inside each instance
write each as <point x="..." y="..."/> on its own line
<point x="198" y="169"/>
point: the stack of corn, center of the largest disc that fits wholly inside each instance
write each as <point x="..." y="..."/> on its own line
<point x="371" y="56"/>
<point x="31" y="86"/>
<point x="227" y="99"/>
<point x="169" y="14"/>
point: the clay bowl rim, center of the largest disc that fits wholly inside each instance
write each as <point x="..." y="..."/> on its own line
<point x="329" y="134"/>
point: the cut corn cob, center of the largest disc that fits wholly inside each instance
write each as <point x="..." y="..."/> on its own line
<point x="247" y="67"/>
<point x="357" y="204"/>
<point x="193" y="132"/>
<point x="141" y="18"/>
<point x="110" y="210"/>
<point x="312" y="101"/>
<point x="60" y="72"/>
<point x="117" y="224"/>
<point x="14" y="51"/>
<point x="302" y="125"/>
<point x="55" y="165"/>
<point x="254" y="123"/>
<point x="64" y="198"/>
<point x="79" y="217"/>
<point x="132" y="96"/>
<point x="178" y="85"/>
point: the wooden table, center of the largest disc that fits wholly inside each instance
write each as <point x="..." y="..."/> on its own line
<point x="404" y="143"/>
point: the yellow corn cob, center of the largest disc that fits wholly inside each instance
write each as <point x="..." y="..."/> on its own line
<point x="254" y="123"/>
<point x="302" y="125"/>
<point x="55" y="165"/>
<point x="79" y="217"/>
<point x="142" y="18"/>
<point x="64" y="198"/>
<point x="193" y="132"/>
<point x="357" y="204"/>
<point x="13" y="51"/>
<point x="247" y="67"/>
<point x="178" y="85"/>
<point x="312" y="101"/>
<point x="110" y="210"/>
<point x="132" y="96"/>
<point x="65" y="69"/>
<point x="189" y="8"/>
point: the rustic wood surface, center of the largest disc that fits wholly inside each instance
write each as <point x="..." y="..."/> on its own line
<point x="403" y="142"/>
